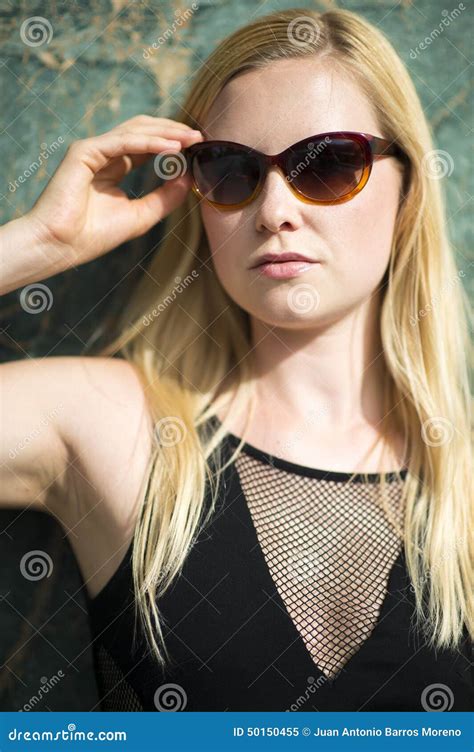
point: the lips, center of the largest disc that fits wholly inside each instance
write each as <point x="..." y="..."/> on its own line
<point x="285" y="269"/>
<point x="279" y="258"/>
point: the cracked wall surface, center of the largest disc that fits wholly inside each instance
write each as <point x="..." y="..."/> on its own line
<point x="92" y="73"/>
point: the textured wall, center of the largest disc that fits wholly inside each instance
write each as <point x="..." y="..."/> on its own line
<point x="80" y="74"/>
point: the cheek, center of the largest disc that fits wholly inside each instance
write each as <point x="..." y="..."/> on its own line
<point x="226" y="245"/>
<point x="364" y="228"/>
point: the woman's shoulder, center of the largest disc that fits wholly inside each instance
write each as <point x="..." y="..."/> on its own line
<point x="110" y="436"/>
<point x="63" y="410"/>
<point x="104" y="383"/>
<point x="76" y="444"/>
<point x="103" y="399"/>
<point x="110" y="427"/>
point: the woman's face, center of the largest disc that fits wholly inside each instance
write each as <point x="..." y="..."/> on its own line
<point x="269" y="110"/>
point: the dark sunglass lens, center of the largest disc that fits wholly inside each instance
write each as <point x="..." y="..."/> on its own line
<point x="327" y="170"/>
<point x="225" y="175"/>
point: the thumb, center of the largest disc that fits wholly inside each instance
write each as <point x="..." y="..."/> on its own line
<point x="160" y="202"/>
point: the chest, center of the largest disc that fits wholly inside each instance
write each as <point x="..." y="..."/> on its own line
<point x="234" y="643"/>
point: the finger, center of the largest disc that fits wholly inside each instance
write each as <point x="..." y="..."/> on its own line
<point x="95" y="153"/>
<point x="85" y="158"/>
<point x="169" y="133"/>
<point x="112" y="146"/>
<point x="117" y="168"/>
<point x="160" y="202"/>
<point x="156" y="121"/>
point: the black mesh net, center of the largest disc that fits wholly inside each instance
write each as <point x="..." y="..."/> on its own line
<point x="329" y="547"/>
<point x="115" y="692"/>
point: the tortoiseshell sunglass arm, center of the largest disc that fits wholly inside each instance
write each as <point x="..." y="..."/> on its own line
<point x="380" y="147"/>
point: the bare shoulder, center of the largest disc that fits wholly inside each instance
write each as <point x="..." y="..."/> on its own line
<point x="75" y="442"/>
<point x="71" y="425"/>
<point x="60" y="374"/>
<point x="76" y="391"/>
<point x="110" y="415"/>
<point x="109" y="436"/>
<point x="108" y="384"/>
<point x="108" y="432"/>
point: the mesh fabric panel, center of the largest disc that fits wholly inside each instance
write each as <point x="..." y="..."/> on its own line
<point x="115" y="692"/>
<point x="329" y="548"/>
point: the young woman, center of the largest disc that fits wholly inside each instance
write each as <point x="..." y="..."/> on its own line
<point x="267" y="485"/>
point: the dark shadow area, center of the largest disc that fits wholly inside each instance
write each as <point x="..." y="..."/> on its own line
<point x="45" y="655"/>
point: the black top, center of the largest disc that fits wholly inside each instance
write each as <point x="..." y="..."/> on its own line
<point x="235" y="647"/>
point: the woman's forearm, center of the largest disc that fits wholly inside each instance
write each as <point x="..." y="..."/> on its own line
<point x="28" y="255"/>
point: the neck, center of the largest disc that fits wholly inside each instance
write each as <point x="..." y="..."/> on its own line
<point x="335" y="371"/>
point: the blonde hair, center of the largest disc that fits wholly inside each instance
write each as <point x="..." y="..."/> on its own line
<point x="183" y="351"/>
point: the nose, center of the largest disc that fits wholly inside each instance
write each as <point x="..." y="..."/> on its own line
<point x="276" y="205"/>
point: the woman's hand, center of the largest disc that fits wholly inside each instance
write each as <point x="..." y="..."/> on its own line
<point x="82" y="210"/>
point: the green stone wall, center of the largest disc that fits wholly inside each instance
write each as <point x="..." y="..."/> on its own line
<point x="82" y="70"/>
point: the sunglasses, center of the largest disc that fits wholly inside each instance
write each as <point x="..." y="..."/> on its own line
<point x="328" y="168"/>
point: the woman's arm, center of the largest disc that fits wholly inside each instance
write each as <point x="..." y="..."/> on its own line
<point x="36" y="400"/>
<point x="55" y="411"/>
<point x="74" y="431"/>
<point x="28" y="254"/>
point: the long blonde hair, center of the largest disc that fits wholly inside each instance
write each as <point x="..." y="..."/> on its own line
<point x="185" y="335"/>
